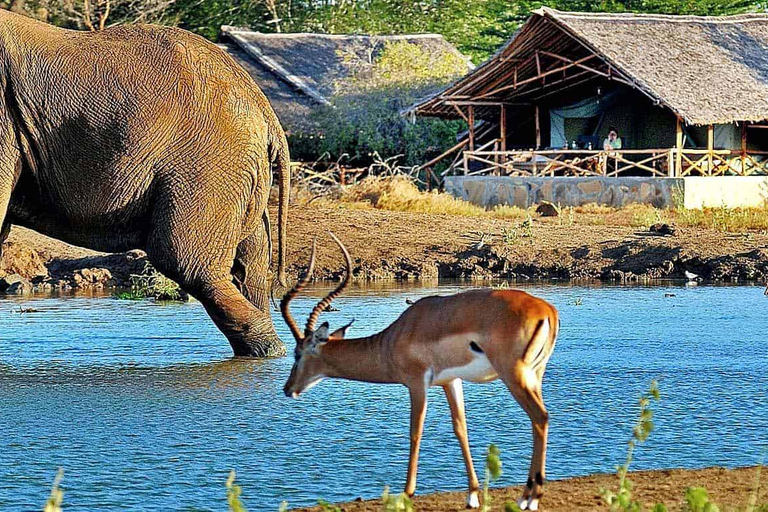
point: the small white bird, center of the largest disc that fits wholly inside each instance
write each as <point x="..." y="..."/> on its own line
<point x="691" y="276"/>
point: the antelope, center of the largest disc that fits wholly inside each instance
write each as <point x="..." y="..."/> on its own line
<point x="477" y="335"/>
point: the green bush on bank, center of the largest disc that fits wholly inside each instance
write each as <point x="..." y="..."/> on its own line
<point x="365" y="117"/>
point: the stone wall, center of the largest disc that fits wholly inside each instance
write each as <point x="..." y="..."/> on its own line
<point x="692" y="192"/>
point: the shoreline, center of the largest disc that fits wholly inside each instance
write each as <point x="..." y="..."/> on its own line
<point x="726" y="487"/>
<point x="388" y="245"/>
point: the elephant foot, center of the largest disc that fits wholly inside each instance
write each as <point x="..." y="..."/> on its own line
<point x="263" y="348"/>
<point x="259" y="344"/>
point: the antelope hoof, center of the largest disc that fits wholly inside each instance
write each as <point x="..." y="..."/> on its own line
<point x="472" y="500"/>
<point x="528" y="504"/>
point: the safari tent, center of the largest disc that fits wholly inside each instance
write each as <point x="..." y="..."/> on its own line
<point x="687" y="95"/>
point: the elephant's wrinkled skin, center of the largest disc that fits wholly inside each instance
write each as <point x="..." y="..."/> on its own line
<point x="146" y="137"/>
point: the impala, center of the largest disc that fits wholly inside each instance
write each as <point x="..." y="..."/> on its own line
<point x="478" y="335"/>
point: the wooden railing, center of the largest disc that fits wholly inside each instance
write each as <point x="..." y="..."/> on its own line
<point x="664" y="162"/>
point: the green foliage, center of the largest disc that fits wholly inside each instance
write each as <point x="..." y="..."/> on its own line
<point x="398" y="503"/>
<point x="492" y="473"/>
<point x="697" y="500"/>
<point x="233" y="494"/>
<point x="57" y="495"/>
<point x="327" y="507"/>
<point x="622" y="500"/>
<point x="151" y="283"/>
<point x="477" y="28"/>
<point x="365" y="119"/>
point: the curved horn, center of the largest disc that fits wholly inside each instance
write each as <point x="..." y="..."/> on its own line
<point x="300" y="284"/>
<point x="323" y="304"/>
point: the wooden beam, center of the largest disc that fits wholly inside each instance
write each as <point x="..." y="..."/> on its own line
<point x="503" y="127"/>
<point x="465" y="103"/>
<point x="679" y="147"/>
<point x="443" y="155"/>
<point x="538" y="127"/>
<point x="461" y="113"/>
<point x="471" y="122"/>
<point x="744" y="148"/>
<point x="550" y="85"/>
<point x="710" y="146"/>
<point x="538" y="68"/>
<point x="535" y="78"/>
<point x="568" y="86"/>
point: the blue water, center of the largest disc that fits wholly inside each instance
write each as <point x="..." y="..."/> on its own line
<point x="142" y="406"/>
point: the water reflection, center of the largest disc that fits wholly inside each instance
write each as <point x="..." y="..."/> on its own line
<point x="145" y="408"/>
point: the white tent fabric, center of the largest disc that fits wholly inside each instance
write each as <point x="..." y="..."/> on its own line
<point x="590" y="107"/>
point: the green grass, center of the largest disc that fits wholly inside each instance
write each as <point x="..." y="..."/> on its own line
<point x="151" y="284"/>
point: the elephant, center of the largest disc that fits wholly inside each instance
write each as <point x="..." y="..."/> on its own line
<point x="147" y="137"/>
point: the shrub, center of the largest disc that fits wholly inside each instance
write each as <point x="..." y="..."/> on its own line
<point x="365" y="117"/>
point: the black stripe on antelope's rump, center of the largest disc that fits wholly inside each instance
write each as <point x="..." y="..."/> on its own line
<point x="474" y="347"/>
<point x="543" y="345"/>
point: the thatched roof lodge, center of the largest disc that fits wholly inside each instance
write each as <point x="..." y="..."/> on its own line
<point x="688" y="95"/>
<point x="300" y="72"/>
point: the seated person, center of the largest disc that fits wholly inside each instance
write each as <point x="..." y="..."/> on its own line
<point x="613" y="141"/>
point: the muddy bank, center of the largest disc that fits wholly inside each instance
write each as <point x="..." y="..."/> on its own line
<point x="398" y="245"/>
<point x="33" y="262"/>
<point x="729" y="488"/>
<point x="395" y="245"/>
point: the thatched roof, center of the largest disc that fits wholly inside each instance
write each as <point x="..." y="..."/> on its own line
<point x="708" y="70"/>
<point x="299" y="72"/>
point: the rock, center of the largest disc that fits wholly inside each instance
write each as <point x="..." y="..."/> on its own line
<point x="15" y="284"/>
<point x="91" y="277"/>
<point x="547" y="209"/>
<point x="663" y="229"/>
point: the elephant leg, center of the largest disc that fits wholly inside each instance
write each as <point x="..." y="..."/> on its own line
<point x="251" y="272"/>
<point x="249" y="329"/>
<point x="9" y="174"/>
<point x="198" y="250"/>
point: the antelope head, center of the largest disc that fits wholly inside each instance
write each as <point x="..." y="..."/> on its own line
<point x="308" y="364"/>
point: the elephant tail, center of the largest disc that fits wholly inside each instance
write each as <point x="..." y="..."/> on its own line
<point x="283" y="166"/>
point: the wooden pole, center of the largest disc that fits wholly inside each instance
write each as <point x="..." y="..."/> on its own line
<point x="471" y="121"/>
<point x="538" y="127"/>
<point x="744" y="148"/>
<point x="678" y="170"/>
<point x="710" y="146"/>
<point x="503" y="127"/>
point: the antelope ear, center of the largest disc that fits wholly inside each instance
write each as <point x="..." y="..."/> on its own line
<point x="342" y="331"/>
<point x="318" y="338"/>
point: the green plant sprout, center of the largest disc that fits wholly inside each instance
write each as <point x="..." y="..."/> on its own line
<point x="492" y="473"/>
<point x="622" y="501"/>
<point x="233" y="494"/>
<point x="395" y="503"/>
<point x="57" y="495"/>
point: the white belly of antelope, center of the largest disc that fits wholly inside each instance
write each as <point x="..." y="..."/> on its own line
<point x="478" y="370"/>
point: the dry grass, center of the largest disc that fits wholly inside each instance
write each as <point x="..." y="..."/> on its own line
<point x="725" y="219"/>
<point x="399" y="193"/>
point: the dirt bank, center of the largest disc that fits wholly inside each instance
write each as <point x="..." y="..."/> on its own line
<point x="728" y="488"/>
<point x="416" y="245"/>
<point x="400" y="245"/>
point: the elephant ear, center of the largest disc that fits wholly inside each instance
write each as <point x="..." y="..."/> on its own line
<point x="341" y="332"/>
